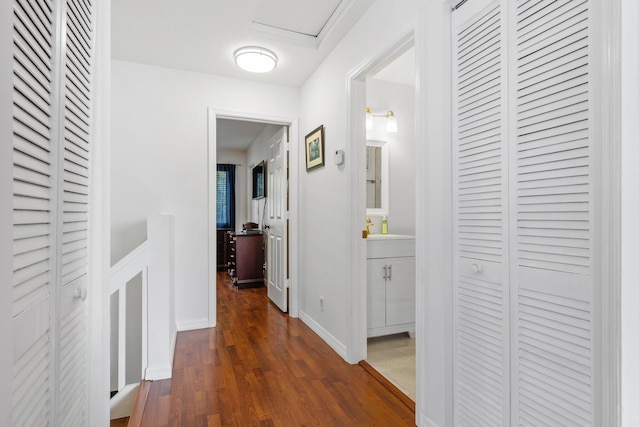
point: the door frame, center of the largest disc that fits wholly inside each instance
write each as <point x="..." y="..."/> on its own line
<point x="213" y="115"/>
<point x="356" y="192"/>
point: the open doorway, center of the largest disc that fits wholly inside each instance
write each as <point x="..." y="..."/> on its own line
<point x="263" y="207"/>
<point x="390" y="185"/>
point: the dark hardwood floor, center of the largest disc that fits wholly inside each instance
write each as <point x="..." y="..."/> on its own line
<point x="259" y="367"/>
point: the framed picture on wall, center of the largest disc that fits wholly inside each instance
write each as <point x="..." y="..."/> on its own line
<point x="314" y="143"/>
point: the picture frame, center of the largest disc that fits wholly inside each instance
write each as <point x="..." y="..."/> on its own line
<point x="314" y="148"/>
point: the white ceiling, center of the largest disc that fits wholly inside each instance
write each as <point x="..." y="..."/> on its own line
<point x="238" y="134"/>
<point x="201" y="35"/>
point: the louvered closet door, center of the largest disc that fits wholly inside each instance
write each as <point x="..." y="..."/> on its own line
<point x="481" y="297"/>
<point x="51" y="138"/>
<point x="552" y="204"/>
<point x="34" y="164"/>
<point x="74" y="211"/>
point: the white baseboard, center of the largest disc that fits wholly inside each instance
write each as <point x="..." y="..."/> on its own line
<point x="333" y="342"/>
<point x="159" y="372"/>
<point x="122" y="403"/>
<point x="192" y="324"/>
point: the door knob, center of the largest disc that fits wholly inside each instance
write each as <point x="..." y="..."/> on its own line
<point x="475" y="268"/>
<point x="80" y="294"/>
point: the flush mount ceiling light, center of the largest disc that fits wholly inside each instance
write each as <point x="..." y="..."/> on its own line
<point x="392" y="122"/>
<point x="256" y="59"/>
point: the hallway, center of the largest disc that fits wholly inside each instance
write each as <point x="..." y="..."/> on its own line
<point x="260" y="367"/>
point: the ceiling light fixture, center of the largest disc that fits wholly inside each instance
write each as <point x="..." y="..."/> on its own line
<point x="256" y="59"/>
<point x="392" y="121"/>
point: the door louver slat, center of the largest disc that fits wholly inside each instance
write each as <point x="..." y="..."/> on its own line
<point x="480" y="302"/>
<point x="553" y="199"/>
<point x="52" y="99"/>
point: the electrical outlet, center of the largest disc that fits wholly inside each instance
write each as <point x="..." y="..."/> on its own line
<point x="321" y="303"/>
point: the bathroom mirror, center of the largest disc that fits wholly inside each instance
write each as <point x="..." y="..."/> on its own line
<point x="377" y="177"/>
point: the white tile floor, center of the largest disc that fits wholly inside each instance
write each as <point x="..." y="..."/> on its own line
<point x="394" y="356"/>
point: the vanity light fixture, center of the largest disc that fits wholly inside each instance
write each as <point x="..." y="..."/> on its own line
<point x="256" y="59"/>
<point x="392" y="122"/>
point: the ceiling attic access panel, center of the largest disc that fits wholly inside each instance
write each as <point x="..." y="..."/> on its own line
<point x="304" y="17"/>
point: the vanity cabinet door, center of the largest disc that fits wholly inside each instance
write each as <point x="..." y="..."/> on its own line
<point x="376" y="283"/>
<point x="401" y="291"/>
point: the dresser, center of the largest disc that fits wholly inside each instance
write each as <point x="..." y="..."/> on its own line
<point x="246" y="258"/>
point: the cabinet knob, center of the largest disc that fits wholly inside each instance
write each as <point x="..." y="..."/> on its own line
<point x="475" y="268"/>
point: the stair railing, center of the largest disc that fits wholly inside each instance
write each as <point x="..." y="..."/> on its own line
<point x="154" y="258"/>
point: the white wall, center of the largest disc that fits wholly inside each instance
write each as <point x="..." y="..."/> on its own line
<point x="323" y="192"/>
<point x="159" y="162"/>
<point x="238" y="157"/>
<point x="400" y="98"/>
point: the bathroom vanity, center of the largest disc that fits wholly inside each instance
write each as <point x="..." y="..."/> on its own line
<point x="391" y="284"/>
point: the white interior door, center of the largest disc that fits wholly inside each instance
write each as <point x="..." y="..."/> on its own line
<point x="277" y="189"/>
<point x="481" y="292"/>
<point x="524" y="212"/>
<point x="552" y="202"/>
<point x="53" y="64"/>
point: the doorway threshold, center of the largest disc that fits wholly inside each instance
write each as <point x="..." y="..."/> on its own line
<point x="389" y="385"/>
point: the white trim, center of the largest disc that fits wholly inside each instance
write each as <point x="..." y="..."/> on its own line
<point x="212" y="116"/>
<point x="384" y="172"/>
<point x="434" y="266"/>
<point x="211" y="214"/>
<point x="121" y="405"/>
<point x="630" y="212"/>
<point x="6" y="210"/>
<point x="325" y="335"/>
<point x="158" y="372"/>
<point x="605" y="116"/>
<point x="193" y="324"/>
<point x="356" y="194"/>
<point x="100" y="231"/>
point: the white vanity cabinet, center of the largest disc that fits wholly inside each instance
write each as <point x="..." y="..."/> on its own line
<point x="391" y="285"/>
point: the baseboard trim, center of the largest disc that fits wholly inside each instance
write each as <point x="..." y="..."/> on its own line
<point x="192" y="324"/>
<point x="332" y="341"/>
<point x="120" y="405"/>
<point x="160" y="372"/>
<point x="138" y="407"/>
<point x="389" y="385"/>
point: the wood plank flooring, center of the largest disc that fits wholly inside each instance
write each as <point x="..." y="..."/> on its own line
<point x="259" y="367"/>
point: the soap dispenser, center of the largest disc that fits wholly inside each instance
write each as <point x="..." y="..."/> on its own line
<point x="385" y="227"/>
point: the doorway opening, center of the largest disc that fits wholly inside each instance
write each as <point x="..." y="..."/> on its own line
<point x="260" y="153"/>
<point x="390" y="185"/>
<point x="382" y="259"/>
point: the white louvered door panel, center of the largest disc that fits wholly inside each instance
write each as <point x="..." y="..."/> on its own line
<point x="52" y="101"/>
<point x="552" y="202"/>
<point x="34" y="164"/>
<point x="74" y="211"/>
<point x="481" y="297"/>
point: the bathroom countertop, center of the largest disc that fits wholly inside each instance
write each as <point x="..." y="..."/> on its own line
<point x="389" y="236"/>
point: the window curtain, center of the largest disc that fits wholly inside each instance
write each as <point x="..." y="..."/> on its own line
<point x="226" y="196"/>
